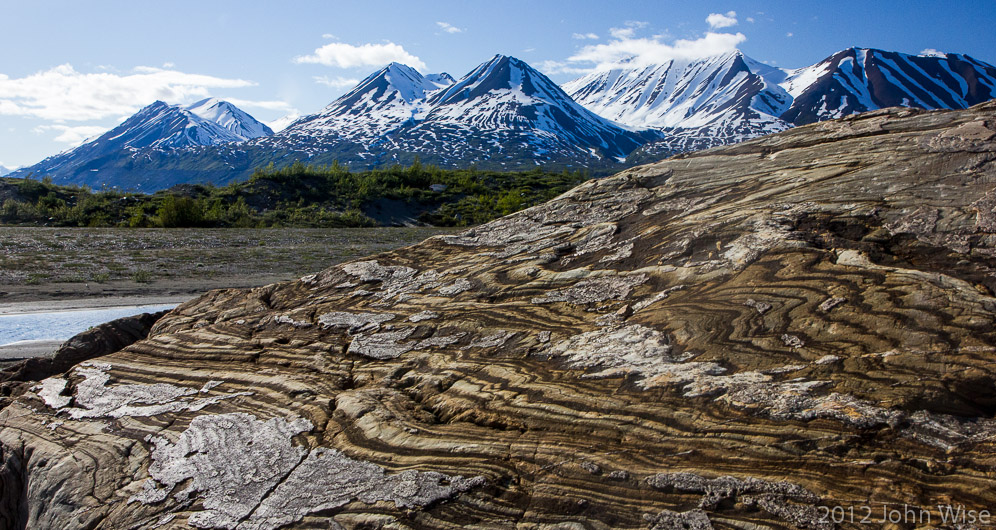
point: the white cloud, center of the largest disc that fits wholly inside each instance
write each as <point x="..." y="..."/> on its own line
<point x="622" y="33"/>
<point x="584" y="36"/>
<point x="63" y="94"/>
<point x="629" y="30"/>
<point x="630" y="52"/>
<point x="71" y="135"/>
<point x="343" y="55"/>
<point x="448" y="28"/>
<point x="338" y="82"/>
<point x="329" y="36"/>
<point x="750" y="19"/>
<point x="558" y="67"/>
<point x="719" y="20"/>
<point x="931" y="52"/>
<point x="790" y="34"/>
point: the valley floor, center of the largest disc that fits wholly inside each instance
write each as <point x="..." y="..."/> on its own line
<point x="55" y="269"/>
<point x="121" y="266"/>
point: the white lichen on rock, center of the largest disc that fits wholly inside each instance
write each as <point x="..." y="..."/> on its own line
<point x="792" y="341"/>
<point x="249" y="476"/>
<point x="490" y="341"/>
<point x="669" y="520"/>
<point x="384" y="345"/>
<point x="831" y="303"/>
<point x="760" y="307"/>
<point x="439" y="341"/>
<point x="50" y="390"/>
<point x="354" y="322"/>
<point x="95" y="399"/>
<point x="594" y="290"/>
<point x="285" y="319"/>
<point x="456" y="287"/>
<point x="397" y="283"/>
<point x="634" y="349"/>
<point x="423" y="315"/>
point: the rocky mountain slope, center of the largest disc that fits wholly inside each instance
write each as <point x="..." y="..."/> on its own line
<point x="128" y="154"/>
<point x="730" y="98"/>
<point x="744" y="337"/>
<point x="503" y="114"/>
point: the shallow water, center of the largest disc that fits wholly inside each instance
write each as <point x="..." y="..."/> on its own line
<point x="62" y="325"/>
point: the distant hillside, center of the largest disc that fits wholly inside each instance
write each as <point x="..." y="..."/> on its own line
<point x="294" y="196"/>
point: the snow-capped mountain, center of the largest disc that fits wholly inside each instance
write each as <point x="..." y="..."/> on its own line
<point x="232" y="118"/>
<point x="699" y="103"/>
<point x="4" y="171"/>
<point x="156" y="129"/>
<point x="503" y="113"/>
<point x="505" y="110"/>
<point x="731" y="97"/>
<point x="380" y="104"/>
<point x="860" y="79"/>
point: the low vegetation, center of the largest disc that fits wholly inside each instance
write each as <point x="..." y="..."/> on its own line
<point x="298" y="195"/>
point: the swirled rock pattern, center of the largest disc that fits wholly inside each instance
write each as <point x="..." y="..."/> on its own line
<point x="727" y="339"/>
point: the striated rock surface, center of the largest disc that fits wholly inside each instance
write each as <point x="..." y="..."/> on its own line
<point x="729" y="339"/>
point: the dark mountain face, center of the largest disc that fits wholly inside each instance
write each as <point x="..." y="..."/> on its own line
<point x="132" y="152"/>
<point x="858" y="80"/>
<point x="731" y="98"/>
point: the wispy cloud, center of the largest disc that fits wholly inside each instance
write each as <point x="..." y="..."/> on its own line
<point x="343" y="55"/>
<point x="72" y="135"/>
<point x="628" y="30"/>
<point x="329" y="36"/>
<point x="585" y="36"/>
<point x="338" y="82"/>
<point x="448" y="28"/>
<point x="559" y="67"/>
<point x="636" y="52"/>
<point x="719" y="20"/>
<point x="790" y="34"/>
<point x="63" y="94"/>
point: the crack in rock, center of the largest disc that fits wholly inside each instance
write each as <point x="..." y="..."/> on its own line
<point x="249" y="476"/>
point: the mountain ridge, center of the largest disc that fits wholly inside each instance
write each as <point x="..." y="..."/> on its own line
<point x="504" y="114"/>
<point x="730" y="97"/>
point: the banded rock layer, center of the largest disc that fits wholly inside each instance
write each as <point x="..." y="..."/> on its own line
<point x="727" y="339"/>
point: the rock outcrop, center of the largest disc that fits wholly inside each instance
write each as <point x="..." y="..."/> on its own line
<point x="95" y="342"/>
<point x="745" y="337"/>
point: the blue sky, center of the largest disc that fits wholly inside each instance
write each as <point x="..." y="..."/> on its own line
<point x="72" y="69"/>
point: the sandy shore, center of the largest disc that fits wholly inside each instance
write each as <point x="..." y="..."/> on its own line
<point x="41" y="348"/>
<point x="48" y="306"/>
<point x="29" y="348"/>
